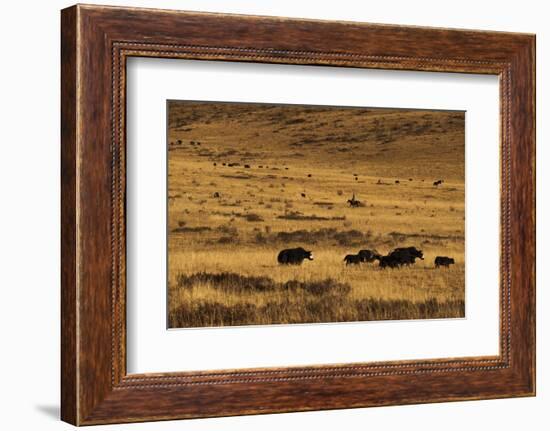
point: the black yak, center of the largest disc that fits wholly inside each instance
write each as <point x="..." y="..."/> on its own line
<point x="294" y="256"/>
<point x="443" y="261"/>
<point x="408" y="253"/>
<point x="368" y="255"/>
<point x="389" y="261"/>
<point x="400" y="256"/>
<point x="352" y="259"/>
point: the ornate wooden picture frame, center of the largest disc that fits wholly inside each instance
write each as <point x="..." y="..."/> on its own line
<point x="96" y="41"/>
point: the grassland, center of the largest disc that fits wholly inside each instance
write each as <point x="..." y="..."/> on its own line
<point x="293" y="169"/>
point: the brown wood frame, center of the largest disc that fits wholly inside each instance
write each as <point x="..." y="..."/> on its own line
<point x="95" y="43"/>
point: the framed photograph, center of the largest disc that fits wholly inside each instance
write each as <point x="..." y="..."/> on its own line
<point x="264" y="215"/>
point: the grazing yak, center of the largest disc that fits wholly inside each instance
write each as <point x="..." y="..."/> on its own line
<point x="438" y="182"/>
<point x="352" y="259"/>
<point x="443" y="261"/>
<point x="362" y="256"/>
<point x="389" y="261"/>
<point x="294" y="256"/>
<point x="401" y="256"/>
<point x="407" y="255"/>
<point x="368" y="255"/>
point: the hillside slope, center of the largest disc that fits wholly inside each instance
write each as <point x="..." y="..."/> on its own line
<point x="378" y="142"/>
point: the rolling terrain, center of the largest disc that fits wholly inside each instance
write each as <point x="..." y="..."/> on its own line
<point x="247" y="180"/>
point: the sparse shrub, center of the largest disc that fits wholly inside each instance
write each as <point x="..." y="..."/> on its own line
<point x="229" y="230"/>
<point x="260" y="238"/>
<point x="228" y="239"/>
<point x="344" y="238"/>
<point x="196" y="229"/>
<point x="351" y="237"/>
<point x="233" y="282"/>
<point x="253" y="217"/>
<point x="297" y="215"/>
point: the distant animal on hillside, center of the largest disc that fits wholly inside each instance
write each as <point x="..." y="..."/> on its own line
<point x="216" y="195"/>
<point x="179" y="141"/>
<point x="438" y="182"/>
<point x="352" y="259"/>
<point x="410" y="179"/>
<point x="303" y="195"/>
<point x="294" y="256"/>
<point x="368" y="255"/>
<point x="354" y="203"/>
<point x="309" y="175"/>
<point x="396" y="181"/>
<point x="443" y="261"/>
<point x="247" y="166"/>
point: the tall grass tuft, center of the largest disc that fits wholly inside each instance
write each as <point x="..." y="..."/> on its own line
<point x="259" y="300"/>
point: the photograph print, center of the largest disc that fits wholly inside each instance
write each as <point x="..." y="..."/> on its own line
<point x="293" y="214"/>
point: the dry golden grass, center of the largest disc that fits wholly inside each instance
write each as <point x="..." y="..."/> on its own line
<point x="304" y="164"/>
